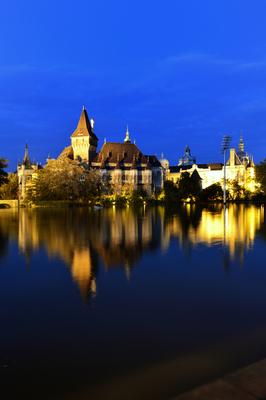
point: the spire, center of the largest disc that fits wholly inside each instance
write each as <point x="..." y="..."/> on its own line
<point x="187" y="150"/>
<point x="127" y="138"/>
<point x="84" y="127"/>
<point x="26" y="158"/>
<point x="241" y="145"/>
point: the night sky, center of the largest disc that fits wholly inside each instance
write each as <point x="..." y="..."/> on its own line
<point x="176" y="71"/>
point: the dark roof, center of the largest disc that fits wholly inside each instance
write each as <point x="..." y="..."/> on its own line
<point x="84" y="126"/>
<point x="175" y="168"/>
<point x="212" y="166"/>
<point x="216" y="166"/>
<point x="124" y="153"/>
<point x="203" y="166"/>
<point x="178" y="168"/>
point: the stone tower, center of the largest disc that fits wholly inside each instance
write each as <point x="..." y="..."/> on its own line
<point x="83" y="140"/>
<point x="25" y="171"/>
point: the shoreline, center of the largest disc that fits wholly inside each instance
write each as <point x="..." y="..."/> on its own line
<point x="5" y="204"/>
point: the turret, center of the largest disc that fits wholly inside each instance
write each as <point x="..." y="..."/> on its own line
<point x="25" y="172"/>
<point x="83" y="140"/>
<point x="187" y="158"/>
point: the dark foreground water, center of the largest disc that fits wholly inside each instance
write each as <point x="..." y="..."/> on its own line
<point x="123" y="304"/>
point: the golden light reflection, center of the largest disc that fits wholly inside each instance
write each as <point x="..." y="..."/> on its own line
<point x="120" y="237"/>
<point x="235" y="227"/>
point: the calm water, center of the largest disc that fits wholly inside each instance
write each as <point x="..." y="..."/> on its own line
<point x="124" y="304"/>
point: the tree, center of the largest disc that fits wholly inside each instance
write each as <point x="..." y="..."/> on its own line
<point x="261" y="175"/>
<point x="212" y="192"/>
<point x="65" y="179"/>
<point x="9" y="189"/>
<point x="171" y="193"/>
<point x="189" y="186"/>
<point x="238" y="191"/>
<point x="3" y="174"/>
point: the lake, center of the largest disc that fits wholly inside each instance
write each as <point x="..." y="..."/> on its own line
<point x="129" y="304"/>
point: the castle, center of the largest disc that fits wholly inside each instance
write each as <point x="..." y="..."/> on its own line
<point x="125" y="166"/>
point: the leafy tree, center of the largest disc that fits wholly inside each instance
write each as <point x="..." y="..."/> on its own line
<point x="261" y="175"/>
<point x="195" y="182"/>
<point x="9" y="189"/>
<point x="213" y="192"/>
<point x="189" y="186"/>
<point x="137" y="197"/>
<point x="238" y="191"/>
<point x="65" y="180"/>
<point x="3" y="174"/>
<point x="171" y="193"/>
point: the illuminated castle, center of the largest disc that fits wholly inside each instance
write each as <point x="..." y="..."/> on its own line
<point x="122" y="163"/>
<point x="124" y="166"/>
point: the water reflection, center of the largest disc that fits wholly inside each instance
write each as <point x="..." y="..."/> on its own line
<point x="120" y="237"/>
<point x="235" y="227"/>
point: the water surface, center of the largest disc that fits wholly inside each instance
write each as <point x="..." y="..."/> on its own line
<point x="126" y="304"/>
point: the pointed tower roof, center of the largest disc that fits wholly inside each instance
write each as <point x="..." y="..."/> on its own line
<point x="84" y="127"/>
<point x="26" y="158"/>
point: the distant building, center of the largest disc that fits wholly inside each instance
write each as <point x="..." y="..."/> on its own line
<point x="239" y="167"/>
<point x="187" y="158"/>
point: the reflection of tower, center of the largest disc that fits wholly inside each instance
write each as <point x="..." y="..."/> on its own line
<point x="226" y="256"/>
<point x="28" y="232"/>
<point x="83" y="272"/>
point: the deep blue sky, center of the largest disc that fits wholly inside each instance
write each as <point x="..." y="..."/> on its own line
<point x="176" y="71"/>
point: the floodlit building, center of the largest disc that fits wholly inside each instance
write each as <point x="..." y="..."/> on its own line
<point x="123" y="164"/>
<point x="239" y="167"/>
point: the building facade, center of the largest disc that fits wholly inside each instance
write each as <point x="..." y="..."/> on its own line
<point x="122" y="164"/>
<point x="239" y="167"/>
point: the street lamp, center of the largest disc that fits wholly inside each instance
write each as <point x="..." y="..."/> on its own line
<point x="225" y="146"/>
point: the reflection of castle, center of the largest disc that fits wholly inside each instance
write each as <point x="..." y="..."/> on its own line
<point x="56" y="232"/>
<point x="120" y="237"/>
<point x="234" y="227"/>
<point x="125" y="235"/>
